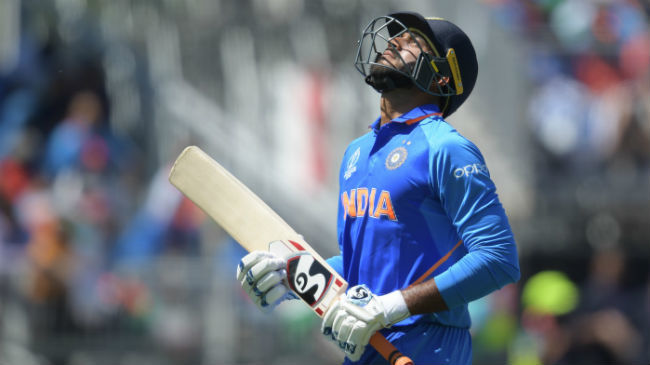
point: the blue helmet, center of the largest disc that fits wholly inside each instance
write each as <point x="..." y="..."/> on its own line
<point x="452" y="57"/>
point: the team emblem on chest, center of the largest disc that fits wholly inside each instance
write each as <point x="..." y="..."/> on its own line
<point x="396" y="158"/>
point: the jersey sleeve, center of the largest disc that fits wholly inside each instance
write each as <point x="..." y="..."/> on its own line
<point x="339" y="210"/>
<point x="336" y="262"/>
<point x="461" y="180"/>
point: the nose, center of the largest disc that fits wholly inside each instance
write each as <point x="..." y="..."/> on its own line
<point x="393" y="43"/>
<point x="398" y="40"/>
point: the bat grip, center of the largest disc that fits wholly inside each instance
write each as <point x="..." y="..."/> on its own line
<point x="388" y="351"/>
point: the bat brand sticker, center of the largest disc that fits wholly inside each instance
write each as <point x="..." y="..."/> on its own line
<point x="359" y="295"/>
<point x="308" y="278"/>
<point x="359" y="292"/>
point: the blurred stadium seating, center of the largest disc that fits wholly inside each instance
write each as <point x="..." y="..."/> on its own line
<point x="103" y="262"/>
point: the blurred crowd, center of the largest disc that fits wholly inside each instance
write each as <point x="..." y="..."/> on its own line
<point x="589" y="107"/>
<point x="587" y="302"/>
<point x="86" y="222"/>
<point x="81" y="215"/>
<point x="590" y="62"/>
<point x="567" y="311"/>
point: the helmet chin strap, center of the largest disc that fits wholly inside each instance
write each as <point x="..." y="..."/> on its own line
<point x="387" y="81"/>
<point x="422" y="76"/>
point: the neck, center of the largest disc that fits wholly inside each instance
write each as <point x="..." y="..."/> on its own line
<point x="399" y="101"/>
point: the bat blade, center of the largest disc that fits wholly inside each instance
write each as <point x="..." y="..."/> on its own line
<point x="254" y="225"/>
<point x="228" y="201"/>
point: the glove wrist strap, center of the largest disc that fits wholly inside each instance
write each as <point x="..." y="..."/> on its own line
<point x="395" y="307"/>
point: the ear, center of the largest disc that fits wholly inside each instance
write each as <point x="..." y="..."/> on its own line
<point x="441" y="82"/>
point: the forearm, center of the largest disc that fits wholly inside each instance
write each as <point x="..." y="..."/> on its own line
<point x="475" y="275"/>
<point x="424" y="298"/>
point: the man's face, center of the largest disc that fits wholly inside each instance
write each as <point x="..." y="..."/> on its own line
<point x="403" y="51"/>
<point x="388" y="62"/>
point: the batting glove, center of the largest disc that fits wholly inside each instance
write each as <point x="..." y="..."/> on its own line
<point x="356" y="316"/>
<point x="262" y="276"/>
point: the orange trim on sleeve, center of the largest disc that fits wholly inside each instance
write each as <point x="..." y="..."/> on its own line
<point x="435" y="266"/>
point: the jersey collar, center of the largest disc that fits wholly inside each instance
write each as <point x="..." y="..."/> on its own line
<point x="412" y="116"/>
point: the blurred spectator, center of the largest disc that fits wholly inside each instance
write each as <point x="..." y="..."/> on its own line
<point x="599" y="322"/>
<point x="558" y="113"/>
<point x="547" y="297"/>
<point x="64" y="148"/>
<point x="13" y="183"/>
<point x="606" y="327"/>
<point x="495" y="324"/>
<point x="50" y="262"/>
<point x="15" y="111"/>
<point x="144" y="237"/>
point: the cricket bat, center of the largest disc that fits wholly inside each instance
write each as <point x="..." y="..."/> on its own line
<point x="255" y="226"/>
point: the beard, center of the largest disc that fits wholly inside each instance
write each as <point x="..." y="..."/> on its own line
<point x="386" y="78"/>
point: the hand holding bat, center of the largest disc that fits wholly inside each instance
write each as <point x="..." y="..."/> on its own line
<point x="263" y="276"/>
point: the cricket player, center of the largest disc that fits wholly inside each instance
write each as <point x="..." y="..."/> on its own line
<point x="421" y="230"/>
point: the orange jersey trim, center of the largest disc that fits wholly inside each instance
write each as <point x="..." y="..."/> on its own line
<point x="415" y="120"/>
<point x="436" y="265"/>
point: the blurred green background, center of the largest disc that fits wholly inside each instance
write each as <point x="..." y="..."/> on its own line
<point x="102" y="261"/>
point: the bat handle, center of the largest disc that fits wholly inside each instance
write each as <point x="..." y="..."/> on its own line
<point x="388" y="351"/>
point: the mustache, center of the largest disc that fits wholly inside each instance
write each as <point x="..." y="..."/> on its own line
<point x="404" y="67"/>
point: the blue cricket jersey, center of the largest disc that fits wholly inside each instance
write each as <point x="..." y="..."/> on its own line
<point x="409" y="192"/>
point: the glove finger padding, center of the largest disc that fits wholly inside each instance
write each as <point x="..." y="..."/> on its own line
<point x="269" y="280"/>
<point x="328" y="319"/>
<point x="337" y="324"/>
<point x="256" y="264"/>
<point x="340" y="327"/>
<point x="360" y="334"/>
<point x="261" y="275"/>
<point x="356" y="316"/>
<point x="273" y="297"/>
<point x="345" y="327"/>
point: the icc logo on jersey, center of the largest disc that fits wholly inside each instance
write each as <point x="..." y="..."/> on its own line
<point x="352" y="164"/>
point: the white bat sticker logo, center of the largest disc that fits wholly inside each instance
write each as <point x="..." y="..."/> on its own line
<point x="308" y="278"/>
